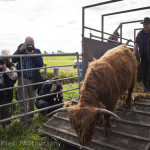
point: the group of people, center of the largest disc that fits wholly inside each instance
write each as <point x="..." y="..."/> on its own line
<point x="27" y="78"/>
<point x="31" y="76"/>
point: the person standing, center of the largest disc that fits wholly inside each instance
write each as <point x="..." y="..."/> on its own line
<point x="6" y="80"/>
<point x="142" y="43"/>
<point x="29" y="77"/>
<point x="114" y="37"/>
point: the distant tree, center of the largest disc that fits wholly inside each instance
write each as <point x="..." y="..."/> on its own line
<point x="59" y="51"/>
<point x="52" y="52"/>
<point x="45" y="52"/>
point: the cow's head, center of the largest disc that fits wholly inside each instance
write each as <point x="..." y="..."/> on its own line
<point x="83" y="120"/>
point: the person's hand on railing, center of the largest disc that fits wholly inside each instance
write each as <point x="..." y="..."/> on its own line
<point x="12" y="75"/>
<point x="120" y="25"/>
<point x="129" y="40"/>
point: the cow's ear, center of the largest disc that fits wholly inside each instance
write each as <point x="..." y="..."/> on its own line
<point x="101" y="105"/>
<point x="94" y="59"/>
<point x="67" y="104"/>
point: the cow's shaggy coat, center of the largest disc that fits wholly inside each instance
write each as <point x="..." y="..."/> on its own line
<point x="105" y="81"/>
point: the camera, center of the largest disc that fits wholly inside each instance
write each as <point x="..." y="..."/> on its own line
<point x="59" y="87"/>
<point x="2" y="61"/>
<point x="30" y="47"/>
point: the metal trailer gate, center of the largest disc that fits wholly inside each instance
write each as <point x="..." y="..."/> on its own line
<point x="94" y="49"/>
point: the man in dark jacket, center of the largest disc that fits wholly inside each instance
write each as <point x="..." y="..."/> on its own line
<point x="48" y="88"/>
<point x="29" y="77"/>
<point x="6" y="80"/>
<point x="142" y="43"/>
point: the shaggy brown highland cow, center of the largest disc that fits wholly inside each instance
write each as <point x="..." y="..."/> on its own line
<point x="105" y="81"/>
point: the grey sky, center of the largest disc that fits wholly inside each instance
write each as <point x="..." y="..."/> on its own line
<point x="56" y="25"/>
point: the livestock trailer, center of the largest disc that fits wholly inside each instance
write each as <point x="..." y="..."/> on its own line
<point x="132" y="131"/>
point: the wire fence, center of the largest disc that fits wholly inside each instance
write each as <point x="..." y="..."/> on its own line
<point x="24" y="100"/>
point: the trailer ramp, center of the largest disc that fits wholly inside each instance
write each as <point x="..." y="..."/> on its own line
<point x="132" y="132"/>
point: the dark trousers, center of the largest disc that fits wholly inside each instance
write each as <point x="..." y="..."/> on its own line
<point x="42" y="104"/>
<point x="145" y="73"/>
<point x="29" y="92"/>
<point x="5" y="112"/>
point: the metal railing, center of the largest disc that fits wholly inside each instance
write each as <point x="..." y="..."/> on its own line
<point x="108" y="14"/>
<point x="23" y="85"/>
<point x="91" y="36"/>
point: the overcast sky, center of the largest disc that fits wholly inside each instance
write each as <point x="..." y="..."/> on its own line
<point x="57" y="24"/>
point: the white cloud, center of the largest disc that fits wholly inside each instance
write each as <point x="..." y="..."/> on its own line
<point x="56" y="25"/>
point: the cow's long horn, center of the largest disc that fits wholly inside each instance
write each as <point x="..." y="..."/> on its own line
<point x="105" y="111"/>
<point x="58" y="110"/>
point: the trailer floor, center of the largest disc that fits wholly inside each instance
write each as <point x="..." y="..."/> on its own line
<point x="132" y="132"/>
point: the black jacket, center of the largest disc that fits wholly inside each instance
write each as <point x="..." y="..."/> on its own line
<point x="141" y="45"/>
<point x="38" y="62"/>
<point x="52" y="99"/>
<point x="7" y="83"/>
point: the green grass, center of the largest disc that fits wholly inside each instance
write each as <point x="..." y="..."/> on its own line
<point x="17" y="137"/>
<point x="59" y="60"/>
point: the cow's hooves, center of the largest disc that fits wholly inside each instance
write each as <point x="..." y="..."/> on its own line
<point x="108" y="133"/>
<point x="127" y="106"/>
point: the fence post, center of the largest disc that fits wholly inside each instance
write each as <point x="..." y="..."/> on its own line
<point x="56" y="71"/>
<point x="45" y="71"/>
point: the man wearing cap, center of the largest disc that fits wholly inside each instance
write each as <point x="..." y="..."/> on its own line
<point x="142" y="43"/>
<point x="29" y="77"/>
<point x="50" y="100"/>
<point x="6" y="80"/>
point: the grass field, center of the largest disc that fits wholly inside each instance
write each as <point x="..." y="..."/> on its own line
<point x="17" y="137"/>
<point x="59" y="60"/>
